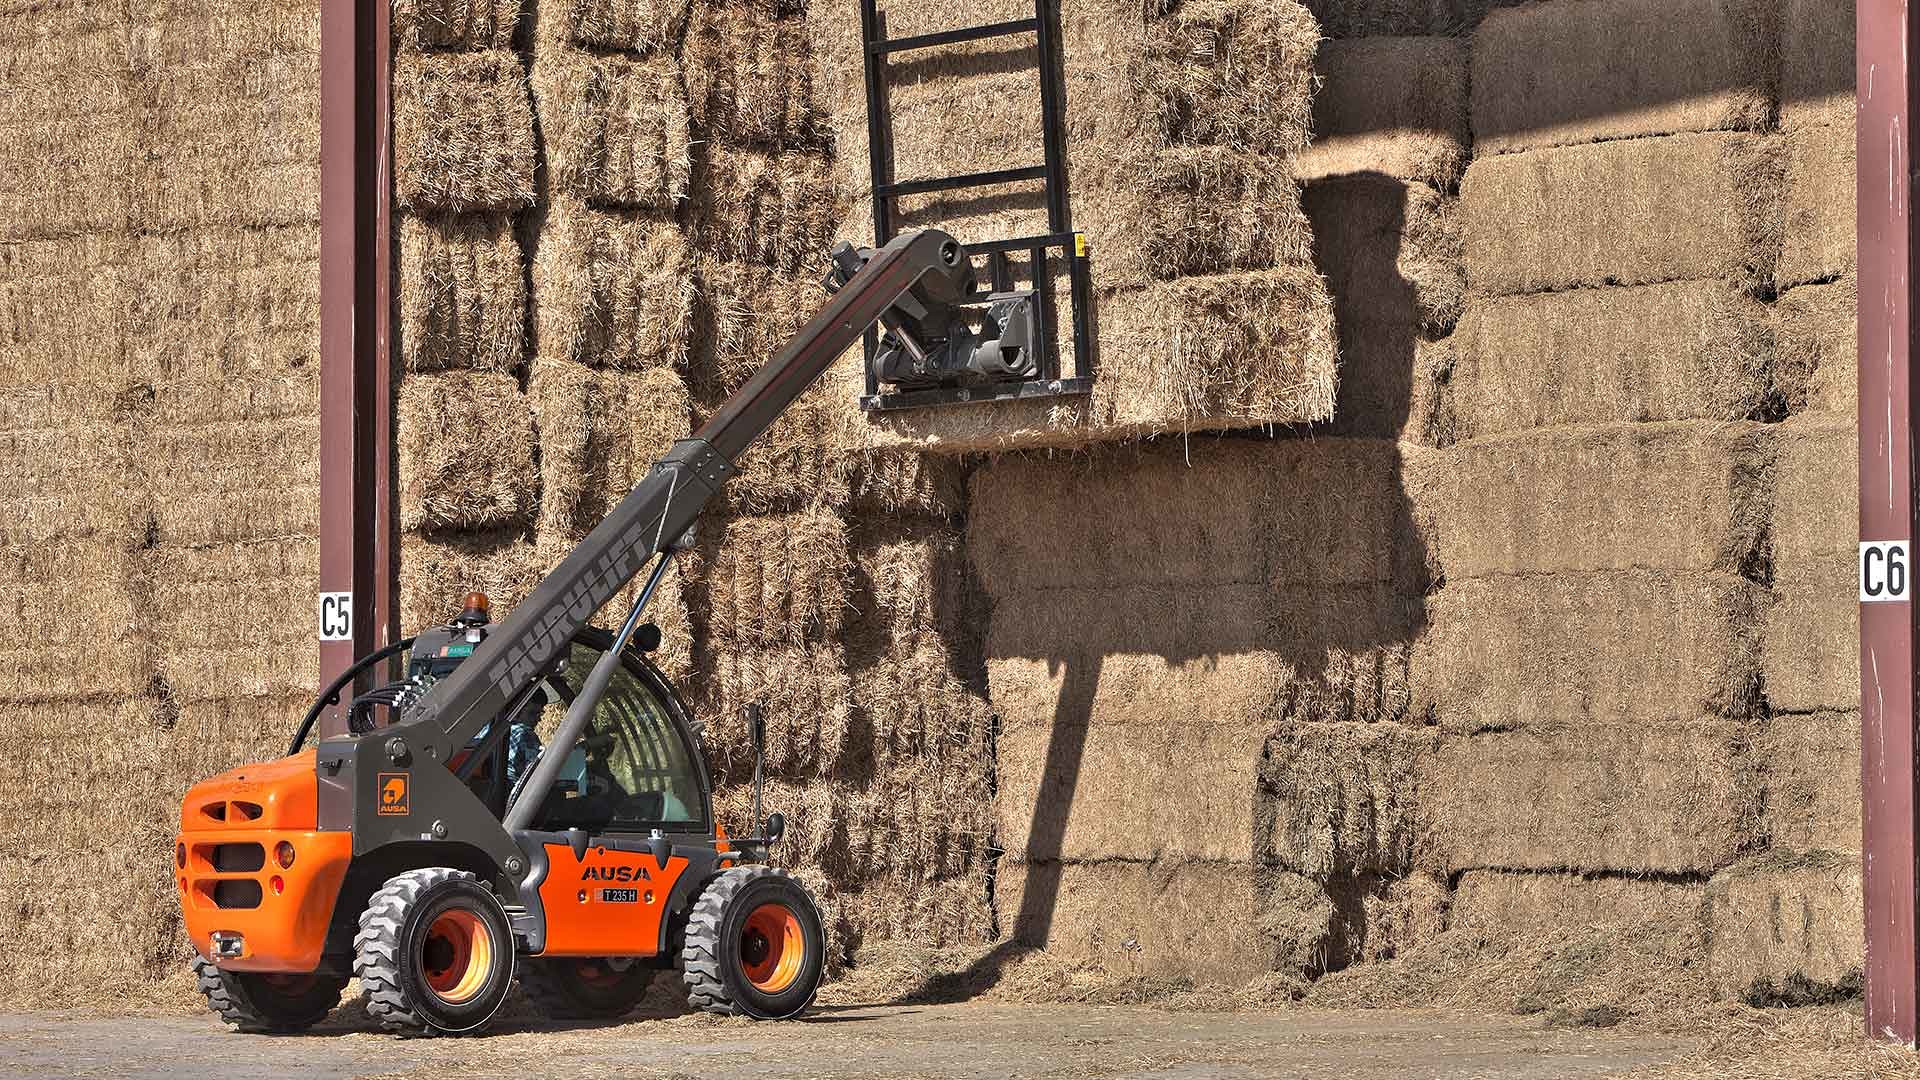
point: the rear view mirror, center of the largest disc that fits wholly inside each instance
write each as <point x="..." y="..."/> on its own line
<point x="776" y="827"/>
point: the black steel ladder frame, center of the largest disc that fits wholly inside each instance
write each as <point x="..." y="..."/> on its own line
<point x="1072" y="246"/>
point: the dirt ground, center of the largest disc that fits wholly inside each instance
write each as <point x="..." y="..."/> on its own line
<point x="965" y="1040"/>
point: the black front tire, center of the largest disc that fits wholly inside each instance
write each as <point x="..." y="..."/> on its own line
<point x="253" y="1001"/>
<point x="434" y="954"/>
<point x="585" y="987"/>
<point x="754" y="945"/>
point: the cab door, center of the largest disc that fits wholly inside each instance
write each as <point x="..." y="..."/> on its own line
<point x="637" y="768"/>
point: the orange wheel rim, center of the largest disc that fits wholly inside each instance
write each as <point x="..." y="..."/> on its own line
<point x="772" y="947"/>
<point x="456" y="956"/>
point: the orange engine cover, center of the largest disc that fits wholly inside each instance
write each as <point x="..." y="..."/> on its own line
<point x="229" y="871"/>
<point x="609" y="903"/>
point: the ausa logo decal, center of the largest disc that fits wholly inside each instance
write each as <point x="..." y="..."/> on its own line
<point x="393" y="794"/>
<point x="615" y="873"/>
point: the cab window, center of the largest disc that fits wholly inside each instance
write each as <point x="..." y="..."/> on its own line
<point x="630" y="771"/>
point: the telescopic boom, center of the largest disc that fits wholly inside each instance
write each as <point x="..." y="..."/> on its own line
<point x="922" y="271"/>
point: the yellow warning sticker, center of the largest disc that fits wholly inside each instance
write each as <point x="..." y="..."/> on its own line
<point x="1079" y="245"/>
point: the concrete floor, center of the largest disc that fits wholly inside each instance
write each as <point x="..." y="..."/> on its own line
<point x="972" y="1040"/>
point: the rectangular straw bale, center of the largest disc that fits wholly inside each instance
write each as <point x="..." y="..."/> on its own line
<point x="1198" y="920"/>
<point x="1341" y="799"/>
<point x="1507" y="905"/>
<point x="176" y="32"/>
<point x="1288" y="511"/>
<point x="1811" y="654"/>
<point x="70" y="623"/>
<point x="1395" y="384"/>
<point x="437" y="573"/>
<point x="1395" y="105"/>
<point x="772" y="208"/>
<point x="1132" y="653"/>
<point x="455" y="25"/>
<point x="1209" y="352"/>
<point x="233" y="480"/>
<point x="1186" y="210"/>
<point x="1643" y="798"/>
<point x="915" y="707"/>
<point x="1342" y="653"/>
<point x="1573" y="650"/>
<point x="910" y="581"/>
<point x="1669" y="496"/>
<point x="635" y="26"/>
<point x="1629" y="212"/>
<point x="202" y="593"/>
<point x="599" y="431"/>
<point x="228" y="139"/>
<point x="1816" y="63"/>
<point x="1681" y="350"/>
<point x="1818" y="490"/>
<point x="1175" y="515"/>
<point x="55" y="178"/>
<point x="1818" y="239"/>
<point x="463" y="293"/>
<point x="462" y="132"/>
<point x="466" y="451"/>
<point x="63" y="309"/>
<point x="1235" y="73"/>
<point x="66" y="477"/>
<point x="1816" y="338"/>
<point x="1813" y="781"/>
<point x="1224" y="653"/>
<point x="1611" y="69"/>
<point x="1092" y="802"/>
<point x="615" y="129"/>
<point x="223" y="303"/>
<point x="1784" y="926"/>
<point x="750" y="80"/>
<point x="896" y="484"/>
<point x="1390" y="250"/>
<point x="612" y="290"/>
<point x="772" y="582"/>
<point x="804" y="694"/>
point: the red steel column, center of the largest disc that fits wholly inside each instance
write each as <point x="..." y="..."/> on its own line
<point x="1886" y="90"/>
<point x="356" y="612"/>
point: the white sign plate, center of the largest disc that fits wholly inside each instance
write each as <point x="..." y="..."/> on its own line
<point x="336" y="616"/>
<point x="1885" y="571"/>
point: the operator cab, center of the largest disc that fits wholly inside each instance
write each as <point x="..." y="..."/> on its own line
<point x="635" y="769"/>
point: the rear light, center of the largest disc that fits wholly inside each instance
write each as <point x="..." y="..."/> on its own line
<point x="276" y="884"/>
<point x="180" y="854"/>
<point x="283" y="854"/>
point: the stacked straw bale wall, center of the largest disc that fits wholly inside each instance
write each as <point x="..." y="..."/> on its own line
<point x="159" y="243"/>
<point x="1596" y="337"/>
<point x="1641" y="660"/>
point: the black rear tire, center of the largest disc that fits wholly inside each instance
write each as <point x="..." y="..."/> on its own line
<point x="254" y="1001"/>
<point x="585" y="987"/>
<point x="754" y="945"/>
<point x="434" y="953"/>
